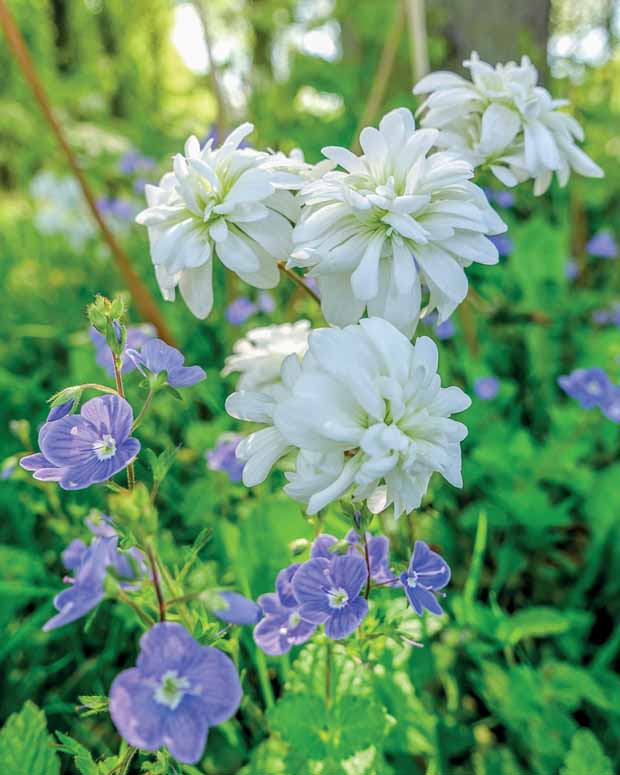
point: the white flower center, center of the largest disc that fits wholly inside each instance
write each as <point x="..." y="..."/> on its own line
<point x="105" y="447"/>
<point x="593" y="388"/>
<point x="337" y="597"/>
<point x="412" y="580"/>
<point x="294" y="620"/>
<point x="171" y="689"/>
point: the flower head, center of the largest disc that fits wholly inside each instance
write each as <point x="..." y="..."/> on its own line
<point x="136" y="337"/>
<point x="259" y="355"/>
<point x="240" y="310"/>
<point x="378" y="552"/>
<point x="82" y="449"/>
<point x="588" y="386"/>
<point x="610" y="405"/>
<point x="503" y="119"/>
<point x="236" y="609"/>
<point x="177" y="690"/>
<point x="364" y="409"/>
<point x="90" y="565"/>
<point x="156" y="356"/>
<point x="427" y="573"/>
<point x="328" y="592"/>
<point x="486" y="388"/>
<point x="218" y="202"/>
<point x="282" y="625"/>
<point x="224" y="458"/>
<point x="394" y="220"/>
<point x="602" y="245"/>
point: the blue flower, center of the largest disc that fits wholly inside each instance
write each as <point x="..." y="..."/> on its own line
<point x="571" y="269"/>
<point x="503" y="243"/>
<point x="223" y="457"/>
<point x="82" y="449"/>
<point x="136" y="337"/>
<point x="266" y="302"/>
<point x="157" y="356"/>
<point x="57" y="412"/>
<point x="177" y="690"/>
<point x="427" y="573"/>
<point x="504" y="198"/>
<point x="90" y="564"/>
<point x="240" y="310"/>
<point x="115" y="207"/>
<point x="588" y="386"/>
<point x="445" y="330"/>
<point x="602" y="245"/>
<point x="328" y="593"/>
<point x="282" y="626"/>
<point x="610" y="405"/>
<point x="133" y="161"/>
<point x="486" y="388"/>
<point x="236" y="609"/>
<point x="378" y="552"/>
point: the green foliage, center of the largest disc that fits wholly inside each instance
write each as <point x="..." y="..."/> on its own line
<point x="26" y="748"/>
<point x="586" y="756"/>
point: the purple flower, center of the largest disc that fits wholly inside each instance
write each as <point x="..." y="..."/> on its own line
<point x="600" y="317"/>
<point x="57" y="412"/>
<point x="504" y="198"/>
<point x="238" y="311"/>
<point x="117" y="208"/>
<point x="282" y="626"/>
<point x="571" y="269"/>
<point x="603" y="245"/>
<point x="266" y="302"/>
<point x="157" y="356"/>
<point x="378" y="555"/>
<point x="427" y="573"/>
<point x="82" y="449"/>
<point x="445" y="330"/>
<point x="588" y="386"/>
<point x="610" y="405"/>
<point x="223" y="457"/>
<point x="486" y="388"/>
<point x="328" y="593"/>
<point x="91" y="564"/>
<point x="503" y="243"/>
<point x="175" y="693"/>
<point x="100" y="525"/>
<point x="236" y="609"/>
<point x="133" y="161"/>
<point x="136" y="337"/>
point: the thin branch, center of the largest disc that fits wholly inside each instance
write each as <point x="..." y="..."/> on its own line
<point x="299" y="281"/>
<point x="220" y="96"/>
<point x="144" y="301"/>
<point x="418" y="49"/>
<point x="160" y="598"/>
<point x="380" y="82"/>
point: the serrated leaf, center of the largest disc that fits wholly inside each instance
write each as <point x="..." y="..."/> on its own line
<point x="301" y="720"/>
<point x="26" y="748"/>
<point x="358" y="723"/>
<point x="81" y="756"/>
<point x="586" y="756"/>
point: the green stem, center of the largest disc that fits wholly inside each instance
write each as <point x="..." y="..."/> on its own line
<point x="298" y="281"/>
<point x="118" y="378"/>
<point x="259" y="657"/>
<point x="143" y="411"/>
<point x="143" y="616"/>
<point x="161" y="603"/>
<point x="328" y="673"/>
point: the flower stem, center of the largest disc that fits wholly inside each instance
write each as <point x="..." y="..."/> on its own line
<point x="143" y="616"/>
<point x="298" y="281"/>
<point x="160" y="597"/>
<point x="328" y="674"/>
<point x="143" y="411"/>
<point x="367" y="559"/>
<point x="118" y="378"/>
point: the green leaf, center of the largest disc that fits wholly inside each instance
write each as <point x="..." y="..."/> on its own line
<point x="359" y="722"/>
<point x="93" y="704"/>
<point x="301" y="720"/>
<point x="586" y="756"/>
<point x="83" y="760"/>
<point x="26" y="748"/>
<point x="536" y="622"/>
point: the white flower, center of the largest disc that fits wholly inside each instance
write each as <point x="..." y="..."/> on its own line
<point x="61" y="209"/>
<point x="259" y="355"/>
<point x="395" y="220"/>
<point x="504" y="119"/>
<point x="217" y="202"/>
<point x="364" y="410"/>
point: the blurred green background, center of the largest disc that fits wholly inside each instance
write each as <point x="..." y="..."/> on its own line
<point x="522" y="675"/>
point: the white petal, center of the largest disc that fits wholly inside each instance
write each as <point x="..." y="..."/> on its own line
<point x="196" y="288"/>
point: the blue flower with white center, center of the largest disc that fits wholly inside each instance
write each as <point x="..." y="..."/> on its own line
<point x="136" y="337"/>
<point x="588" y="386"/>
<point x="177" y="690"/>
<point x="282" y="626"/>
<point x="427" y="573"/>
<point x="90" y="565"/>
<point x="156" y="356"/>
<point x="83" y="449"/>
<point x="328" y="593"/>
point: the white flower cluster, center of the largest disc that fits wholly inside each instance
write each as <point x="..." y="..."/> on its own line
<point x="503" y="119"/>
<point x="363" y="408"/>
<point x="389" y="233"/>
